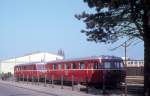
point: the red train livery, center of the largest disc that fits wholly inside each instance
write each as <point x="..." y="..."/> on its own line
<point x="93" y="71"/>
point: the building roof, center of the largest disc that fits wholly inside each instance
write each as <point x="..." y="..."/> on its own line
<point x="28" y="54"/>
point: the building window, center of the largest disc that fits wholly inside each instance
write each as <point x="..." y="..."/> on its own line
<point x="128" y="62"/>
<point x="135" y="62"/>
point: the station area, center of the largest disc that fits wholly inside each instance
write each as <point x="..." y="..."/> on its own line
<point x="134" y="78"/>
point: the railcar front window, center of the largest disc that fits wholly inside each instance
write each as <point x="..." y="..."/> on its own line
<point x="121" y="65"/>
<point x="113" y="65"/>
<point x="107" y="65"/>
<point x="117" y="64"/>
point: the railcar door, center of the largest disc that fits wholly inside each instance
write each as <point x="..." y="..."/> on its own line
<point x="97" y="74"/>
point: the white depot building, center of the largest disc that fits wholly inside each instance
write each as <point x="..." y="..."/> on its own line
<point x="8" y="64"/>
<point x="133" y="62"/>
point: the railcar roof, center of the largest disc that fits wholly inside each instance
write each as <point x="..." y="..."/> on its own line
<point x="87" y="58"/>
<point x="75" y="59"/>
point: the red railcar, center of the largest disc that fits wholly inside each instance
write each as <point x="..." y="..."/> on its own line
<point x="30" y="71"/>
<point x="92" y="71"/>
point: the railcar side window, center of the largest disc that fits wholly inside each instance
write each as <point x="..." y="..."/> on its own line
<point x="66" y="66"/>
<point x="89" y="66"/>
<point x="16" y="68"/>
<point x="44" y="68"/>
<point x="40" y="67"/>
<point x="54" y="66"/>
<point x="101" y="66"/>
<point x="33" y="67"/>
<point x="59" y="66"/>
<point x="82" y="65"/>
<point x="95" y="66"/>
<point x="48" y="67"/>
<point x="74" y="66"/>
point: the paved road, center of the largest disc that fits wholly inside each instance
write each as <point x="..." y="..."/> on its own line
<point x="9" y="90"/>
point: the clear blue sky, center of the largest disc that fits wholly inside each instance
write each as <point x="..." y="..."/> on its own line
<point x="27" y="26"/>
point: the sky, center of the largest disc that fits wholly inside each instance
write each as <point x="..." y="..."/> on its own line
<point x="28" y="26"/>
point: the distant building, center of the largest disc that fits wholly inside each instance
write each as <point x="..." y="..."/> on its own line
<point x="135" y="63"/>
<point x="134" y="67"/>
<point x="8" y="64"/>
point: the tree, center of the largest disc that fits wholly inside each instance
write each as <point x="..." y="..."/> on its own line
<point x="115" y="19"/>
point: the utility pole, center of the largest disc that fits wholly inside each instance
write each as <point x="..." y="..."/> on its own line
<point x="125" y="51"/>
<point x="125" y="45"/>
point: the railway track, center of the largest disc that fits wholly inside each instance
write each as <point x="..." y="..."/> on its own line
<point x="135" y="85"/>
<point x="135" y="79"/>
